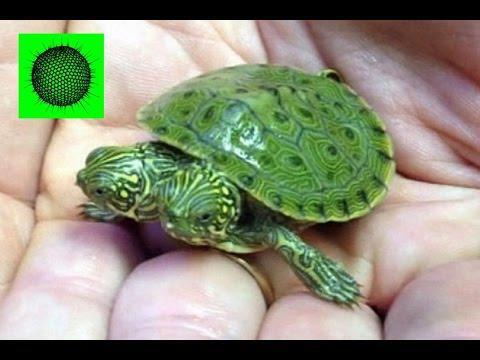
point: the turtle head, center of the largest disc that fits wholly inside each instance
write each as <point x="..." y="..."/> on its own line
<point x="113" y="179"/>
<point x="197" y="205"/>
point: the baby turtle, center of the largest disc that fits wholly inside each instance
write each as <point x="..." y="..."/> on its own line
<point x="246" y="156"/>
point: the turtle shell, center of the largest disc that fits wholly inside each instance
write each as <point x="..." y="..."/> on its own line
<point x="304" y="145"/>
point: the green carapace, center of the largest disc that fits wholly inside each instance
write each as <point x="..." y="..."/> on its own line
<point x="246" y="157"/>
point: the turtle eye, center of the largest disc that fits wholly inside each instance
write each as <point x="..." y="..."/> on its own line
<point x="204" y="218"/>
<point x="99" y="191"/>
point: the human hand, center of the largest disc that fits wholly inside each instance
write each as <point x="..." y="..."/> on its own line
<point x="62" y="277"/>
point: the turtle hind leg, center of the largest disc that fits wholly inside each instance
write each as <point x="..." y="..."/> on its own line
<point x="91" y="211"/>
<point x="323" y="276"/>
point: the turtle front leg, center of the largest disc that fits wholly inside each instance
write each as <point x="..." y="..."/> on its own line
<point x="92" y="211"/>
<point x="325" y="277"/>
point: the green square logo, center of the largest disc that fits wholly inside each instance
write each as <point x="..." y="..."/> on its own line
<point x="61" y="76"/>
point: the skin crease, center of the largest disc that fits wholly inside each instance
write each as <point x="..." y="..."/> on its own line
<point x="416" y="255"/>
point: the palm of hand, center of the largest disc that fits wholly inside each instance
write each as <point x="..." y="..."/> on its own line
<point x="65" y="278"/>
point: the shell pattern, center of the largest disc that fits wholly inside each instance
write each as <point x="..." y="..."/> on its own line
<point x="304" y="145"/>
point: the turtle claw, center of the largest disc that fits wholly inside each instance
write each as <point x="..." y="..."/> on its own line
<point x="356" y="302"/>
<point x="91" y="211"/>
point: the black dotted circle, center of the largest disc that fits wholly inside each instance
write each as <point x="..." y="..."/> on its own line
<point x="61" y="76"/>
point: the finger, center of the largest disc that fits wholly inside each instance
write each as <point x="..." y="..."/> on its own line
<point x="290" y="43"/>
<point x="23" y="141"/>
<point x="188" y="295"/>
<point x="432" y="225"/>
<point x="436" y="131"/>
<point x="303" y="316"/>
<point x="16" y="223"/>
<point x="67" y="282"/>
<point x="135" y="71"/>
<point x="441" y="304"/>
<point x="158" y="241"/>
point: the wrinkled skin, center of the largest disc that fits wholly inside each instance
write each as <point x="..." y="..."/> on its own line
<point x="416" y="255"/>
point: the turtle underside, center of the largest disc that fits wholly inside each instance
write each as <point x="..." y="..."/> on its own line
<point x="304" y="145"/>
